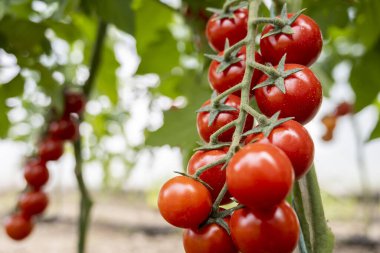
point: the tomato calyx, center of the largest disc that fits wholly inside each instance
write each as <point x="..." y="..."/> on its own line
<point x="228" y="9"/>
<point x="215" y="108"/>
<point x="229" y="58"/>
<point x="195" y="177"/>
<point x="267" y="127"/>
<point x="276" y="76"/>
<point x="283" y="24"/>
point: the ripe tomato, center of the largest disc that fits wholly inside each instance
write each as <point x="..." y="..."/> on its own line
<point x="50" y="149"/>
<point x="75" y="102"/>
<point x="33" y="202"/>
<point x="184" y="202"/>
<point x="234" y="29"/>
<point x="260" y="176"/>
<point x="302" y="47"/>
<point x="36" y="174"/>
<point x="223" y="118"/>
<point x="302" y="99"/>
<point x="233" y="75"/>
<point x="209" y="239"/>
<point x="64" y="129"/>
<point x="18" y="226"/>
<point x="215" y="176"/>
<point x="292" y="138"/>
<point x="275" y="233"/>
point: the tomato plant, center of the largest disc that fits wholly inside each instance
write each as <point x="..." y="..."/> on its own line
<point x="303" y="46"/>
<point x="277" y="232"/>
<point x="233" y="28"/>
<point x="292" y="138"/>
<point x="260" y="176"/>
<point x="301" y="100"/>
<point x="184" y="202"/>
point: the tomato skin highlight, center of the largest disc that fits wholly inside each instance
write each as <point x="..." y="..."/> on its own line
<point x="302" y="99"/>
<point x="184" y="202"/>
<point x="209" y="239"/>
<point x="36" y="173"/>
<point x="234" y="29"/>
<point x="50" y="149"/>
<point x="18" y="226"/>
<point x="276" y="233"/>
<point x="234" y="74"/>
<point x="215" y="176"/>
<point x="292" y="138"/>
<point x="205" y="131"/>
<point x="260" y="176"/>
<point x="33" y="202"/>
<point x="302" y="47"/>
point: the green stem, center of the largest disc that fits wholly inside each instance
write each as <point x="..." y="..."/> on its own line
<point x="258" y="116"/>
<point x="273" y="21"/>
<point x="86" y="202"/>
<point x="220" y="197"/>
<point x="209" y="166"/>
<point x="318" y="237"/>
<point x="228" y="4"/>
<point x="265" y="69"/>
<point x="233" y="48"/>
<point x="214" y="136"/>
<point x="231" y="90"/>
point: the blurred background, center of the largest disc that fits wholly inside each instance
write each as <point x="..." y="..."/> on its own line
<point x="140" y="120"/>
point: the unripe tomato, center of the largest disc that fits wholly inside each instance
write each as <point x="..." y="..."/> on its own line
<point x="36" y="174"/>
<point x="18" y="226"/>
<point x="50" y="149"/>
<point x="277" y="232"/>
<point x="260" y="176"/>
<point x="234" y="74"/>
<point x="33" y="202"/>
<point x="184" y="202"/>
<point x="234" y="29"/>
<point x="205" y="131"/>
<point x="292" y="138"/>
<point x="302" y="99"/>
<point x="215" y="176"/>
<point x="64" y="129"/>
<point x="75" y="102"/>
<point x="302" y="47"/>
<point x="209" y="239"/>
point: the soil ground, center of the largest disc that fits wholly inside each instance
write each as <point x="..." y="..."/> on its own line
<point x="125" y="223"/>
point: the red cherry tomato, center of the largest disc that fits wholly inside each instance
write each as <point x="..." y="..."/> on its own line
<point x="50" y="149"/>
<point x="75" y="102"/>
<point x="184" y="202"/>
<point x="209" y="239"/>
<point x="234" y="29"/>
<point x="275" y="233"/>
<point x="33" y="202"/>
<point x="36" y="174"/>
<point x="292" y="138"/>
<point x="223" y="118"/>
<point x="215" y="176"/>
<point x="260" y="176"/>
<point x="18" y="226"/>
<point x="302" y="47"/>
<point x="64" y="129"/>
<point x="233" y="75"/>
<point x="302" y="99"/>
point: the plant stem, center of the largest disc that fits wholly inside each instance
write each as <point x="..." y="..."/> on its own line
<point x="231" y="90"/>
<point x="220" y="197"/>
<point x="265" y="69"/>
<point x="86" y="201"/>
<point x="228" y="4"/>
<point x="233" y="48"/>
<point x="274" y="21"/>
<point x="214" y="136"/>
<point x="260" y="117"/>
<point x="209" y="166"/>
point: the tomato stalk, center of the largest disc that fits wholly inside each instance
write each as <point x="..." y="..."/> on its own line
<point x="86" y="202"/>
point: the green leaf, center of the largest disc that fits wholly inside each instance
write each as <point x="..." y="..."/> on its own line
<point x="179" y="127"/>
<point x="376" y="131"/>
<point x="117" y="12"/>
<point x="308" y="204"/>
<point x="13" y="88"/>
<point x="365" y="79"/>
<point x="5" y="124"/>
<point x="106" y="81"/>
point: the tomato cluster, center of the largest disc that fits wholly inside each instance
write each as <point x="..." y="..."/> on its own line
<point x="34" y="200"/>
<point x="256" y="175"/>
